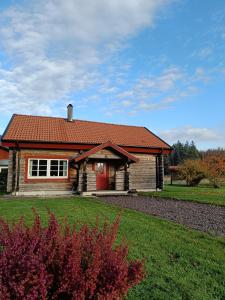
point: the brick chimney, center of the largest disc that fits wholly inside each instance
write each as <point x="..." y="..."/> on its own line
<point x="70" y="113"/>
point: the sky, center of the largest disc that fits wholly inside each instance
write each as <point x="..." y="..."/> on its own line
<point x="153" y="63"/>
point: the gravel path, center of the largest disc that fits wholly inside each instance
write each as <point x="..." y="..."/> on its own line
<point x="203" y="217"/>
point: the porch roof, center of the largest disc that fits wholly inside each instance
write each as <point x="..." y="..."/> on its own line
<point x="108" y="144"/>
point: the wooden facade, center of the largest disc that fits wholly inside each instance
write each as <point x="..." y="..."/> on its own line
<point x="82" y="177"/>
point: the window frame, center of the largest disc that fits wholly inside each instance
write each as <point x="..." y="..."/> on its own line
<point x="3" y="168"/>
<point x="48" y="168"/>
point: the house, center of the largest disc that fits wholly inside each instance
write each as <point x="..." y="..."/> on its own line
<point x="49" y="155"/>
<point x="4" y="156"/>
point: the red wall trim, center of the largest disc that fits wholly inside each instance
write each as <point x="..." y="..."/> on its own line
<point x="4" y="154"/>
<point x="31" y="180"/>
<point x="83" y="147"/>
<point x="147" y="150"/>
<point x="49" y="146"/>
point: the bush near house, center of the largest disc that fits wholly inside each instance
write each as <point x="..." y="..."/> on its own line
<point x="192" y="171"/>
<point x="58" y="262"/>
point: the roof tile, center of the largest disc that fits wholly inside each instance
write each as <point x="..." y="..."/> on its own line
<point x="28" y="128"/>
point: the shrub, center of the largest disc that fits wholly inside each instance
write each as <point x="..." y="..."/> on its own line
<point x="192" y="171"/>
<point x="60" y="262"/>
<point x="215" y="165"/>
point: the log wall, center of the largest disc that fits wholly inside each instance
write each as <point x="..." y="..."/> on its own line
<point x="10" y="172"/>
<point x="120" y="180"/>
<point x="33" y="185"/>
<point x="142" y="175"/>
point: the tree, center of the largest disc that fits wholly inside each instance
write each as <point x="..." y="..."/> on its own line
<point x="180" y="153"/>
<point x="215" y="165"/>
<point x="192" y="171"/>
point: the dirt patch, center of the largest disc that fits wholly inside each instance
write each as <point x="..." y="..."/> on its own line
<point x="203" y="217"/>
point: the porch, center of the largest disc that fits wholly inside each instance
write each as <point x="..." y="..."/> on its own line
<point x="103" y="170"/>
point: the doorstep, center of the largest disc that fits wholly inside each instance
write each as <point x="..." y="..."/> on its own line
<point x="105" y="193"/>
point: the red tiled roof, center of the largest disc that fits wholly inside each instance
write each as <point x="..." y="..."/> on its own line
<point x="27" y="128"/>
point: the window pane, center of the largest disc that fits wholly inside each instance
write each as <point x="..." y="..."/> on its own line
<point x="42" y="162"/>
<point x="34" y="173"/>
<point x="42" y="168"/>
<point x="42" y="173"/>
<point x="99" y="168"/>
<point x="63" y="163"/>
<point x="54" y="173"/>
<point x="34" y="162"/>
<point x="54" y="162"/>
<point x="54" y="168"/>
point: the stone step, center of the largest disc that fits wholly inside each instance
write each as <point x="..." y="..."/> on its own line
<point x="105" y="193"/>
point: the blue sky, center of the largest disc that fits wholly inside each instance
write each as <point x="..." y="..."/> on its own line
<point x="159" y="64"/>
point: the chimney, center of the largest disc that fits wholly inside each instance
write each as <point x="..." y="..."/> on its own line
<point x="70" y="113"/>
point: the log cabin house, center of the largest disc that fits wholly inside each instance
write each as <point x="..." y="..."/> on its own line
<point x="50" y="155"/>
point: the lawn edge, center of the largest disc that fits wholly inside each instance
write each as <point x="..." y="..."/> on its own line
<point x="207" y="202"/>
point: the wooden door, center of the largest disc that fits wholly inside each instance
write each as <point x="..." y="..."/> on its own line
<point x="102" y="175"/>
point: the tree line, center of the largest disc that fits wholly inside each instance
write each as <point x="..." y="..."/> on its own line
<point x="193" y="165"/>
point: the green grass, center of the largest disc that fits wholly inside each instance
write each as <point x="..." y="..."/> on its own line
<point x="181" y="263"/>
<point x="201" y="193"/>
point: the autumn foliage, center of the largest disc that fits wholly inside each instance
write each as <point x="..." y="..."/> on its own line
<point x="192" y="171"/>
<point x="60" y="262"/>
<point x="215" y="165"/>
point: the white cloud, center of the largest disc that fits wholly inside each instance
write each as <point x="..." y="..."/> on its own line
<point x="201" y="135"/>
<point x="54" y="47"/>
<point x="160" y="91"/>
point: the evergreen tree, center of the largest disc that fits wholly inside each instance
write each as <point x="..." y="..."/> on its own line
<point x="182" y="152"/>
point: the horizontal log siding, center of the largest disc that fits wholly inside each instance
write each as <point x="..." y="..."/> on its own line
<point x="120" y="180"/>
<point x="142" y="175"/>
<point x="91" y="181"/>
<point x="105" y="154"/>
<point x="49" y="185"/>
<point x="10" y="172"/>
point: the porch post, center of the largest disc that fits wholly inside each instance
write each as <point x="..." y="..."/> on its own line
<point x="84" y="181"/>
<point x="159" y="171"/>
<point x="126" y="178"/>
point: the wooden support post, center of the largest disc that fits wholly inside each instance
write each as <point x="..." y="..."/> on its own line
<point x="14" y="163"/>
<point x="126" y="178"/>
<point x="84" y="181"/>
<point x="159" y="172"/>
<point x="171" y="177"/>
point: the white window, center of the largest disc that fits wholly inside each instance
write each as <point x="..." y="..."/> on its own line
<point x="47" y="168"/>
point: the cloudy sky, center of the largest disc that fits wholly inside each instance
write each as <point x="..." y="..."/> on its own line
<point x="156" y="63"/>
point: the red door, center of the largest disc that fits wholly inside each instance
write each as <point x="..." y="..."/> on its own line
<point x="102" y="177"/>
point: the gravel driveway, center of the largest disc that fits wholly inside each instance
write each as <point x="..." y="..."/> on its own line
<point x="203" y="217"/>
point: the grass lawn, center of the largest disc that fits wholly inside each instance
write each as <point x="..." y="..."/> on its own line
<point x="201" y="193"/>
<point x="181" y="263"/>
